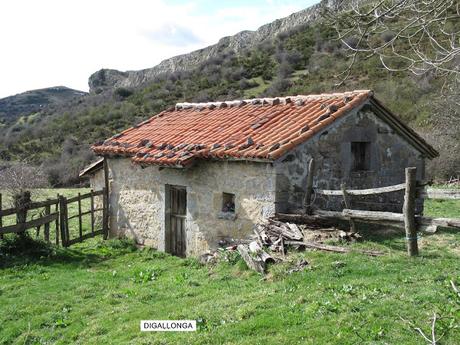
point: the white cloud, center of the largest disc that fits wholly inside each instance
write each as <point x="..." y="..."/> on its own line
<point x="53" y="42"/>
<point x="174" y="35"/>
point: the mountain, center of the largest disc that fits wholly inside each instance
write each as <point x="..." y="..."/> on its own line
<point x="244" y="40"/>
<point x="29" y="102"/>
<point x="298" y="55"/>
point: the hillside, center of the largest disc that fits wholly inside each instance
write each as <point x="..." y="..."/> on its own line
<point x="236" y="44"/>
<point x="300" y="59"/>
<point x="27" y="103"/>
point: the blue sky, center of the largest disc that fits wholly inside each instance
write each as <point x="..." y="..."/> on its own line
<point x="55" y="42"/>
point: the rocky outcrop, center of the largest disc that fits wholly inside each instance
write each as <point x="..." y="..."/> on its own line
<point x="109" y="78"/>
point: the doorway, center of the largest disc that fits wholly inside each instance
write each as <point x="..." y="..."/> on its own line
<point x="176" y="211"/>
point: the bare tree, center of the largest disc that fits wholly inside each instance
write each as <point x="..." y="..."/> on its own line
<point x="442" y="130"/>
<point x="419" y="36"/>
<point x="18" y="179"/>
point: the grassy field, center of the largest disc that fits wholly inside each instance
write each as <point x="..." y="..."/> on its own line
<point x="98" y="291"/>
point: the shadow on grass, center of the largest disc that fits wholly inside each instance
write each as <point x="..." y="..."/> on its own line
<point x="20" y="250"/>
<point x="395" y="238"/>
<point x="391" y="237"/>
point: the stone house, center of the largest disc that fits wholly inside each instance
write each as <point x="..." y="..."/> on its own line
<point x="201" y="173"/>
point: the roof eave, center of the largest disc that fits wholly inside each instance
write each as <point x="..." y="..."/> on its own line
<point x="91" y="168"/>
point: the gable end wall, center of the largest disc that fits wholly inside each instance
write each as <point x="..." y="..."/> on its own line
<point x="331" y="149"/>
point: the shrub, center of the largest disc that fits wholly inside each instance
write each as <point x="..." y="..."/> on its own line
<point x="122" y="92"/>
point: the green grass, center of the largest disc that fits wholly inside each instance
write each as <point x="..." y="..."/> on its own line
<point x="257" y="90"/>
<point x="442" y="208"/>
<point x="98" y="291"/>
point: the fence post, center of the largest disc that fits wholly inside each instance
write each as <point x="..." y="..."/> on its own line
<point x="80" y="226"/>
<point x="56" y="209"/>
<point x="409" y="211"/>
<point x="22" y="203"/>
<point x="1" y="220"/>
<point x="105" y="222"/>
<point x="63" y="220"/>
<point x="309" y="190"/>
<point x="347" y="202"/>
<point x="92" y="211"/>
<point x="105" y="206"/>
<point x="46" y="231"/>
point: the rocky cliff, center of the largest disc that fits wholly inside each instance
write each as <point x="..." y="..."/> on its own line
<point x="109" y="78"/>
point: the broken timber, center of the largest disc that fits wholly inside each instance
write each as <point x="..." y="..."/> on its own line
<point x="335" y="249"/>
<point x="375" y="217"/>
<point x="255" y="257"/>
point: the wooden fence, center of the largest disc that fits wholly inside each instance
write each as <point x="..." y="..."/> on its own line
<point x="408" y="219"/>
<point x="53" y="215"/>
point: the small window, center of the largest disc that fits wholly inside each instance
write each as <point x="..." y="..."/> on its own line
<point x="228" y="202"/>
<point x="360" y="151"/>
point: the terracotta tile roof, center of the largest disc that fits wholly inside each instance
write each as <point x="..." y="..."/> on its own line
<point x="257" y="129"/>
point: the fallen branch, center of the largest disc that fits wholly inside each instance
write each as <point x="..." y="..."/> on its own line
<point x="335" y="249"/>
<point x="433" y="340"/>
<point x="455" y="288"/>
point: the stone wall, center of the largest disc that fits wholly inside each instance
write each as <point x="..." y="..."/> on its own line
<point x="137" y="194"/>
<point x="137" y="201"/>
<point x="331" y="149"/>
<point x="96" y="180"/>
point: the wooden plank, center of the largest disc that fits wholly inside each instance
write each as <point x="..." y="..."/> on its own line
<point x="39" y="204"/>
<point x="347" y="202"/>
<point x="46" y="231"/>
<point x="382" y="218"/>
<point x="27" y="225"/>
<point x="106" y="200"/>
<point x="442" y="194"/>
<point x="173" y="233"/>
<point x="409" y="212"/>
<point x="80" y="224"/>
<point x="309" y="190"/>
<point x="84" y="196"/>
<point x="253" y="261"/>
<point x="85" y="213"/>
<point x="31" y="206"/>
<point x="335" y="249"/>
<point x="372" y="215"/>
<point x="1" y="220"/>
<point x="360" y="216"/>
<point x="182" y="237"/>
<point x="78" y="197"/>
<point x="8" y="212"/>
<point x="371" y="191"/>
<point x="85" y="237"/>
<point x="92" y="211"/>
<point x="57" y="227"/>
<point x="105" y="223"/>
<point x="63" y="219"/>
